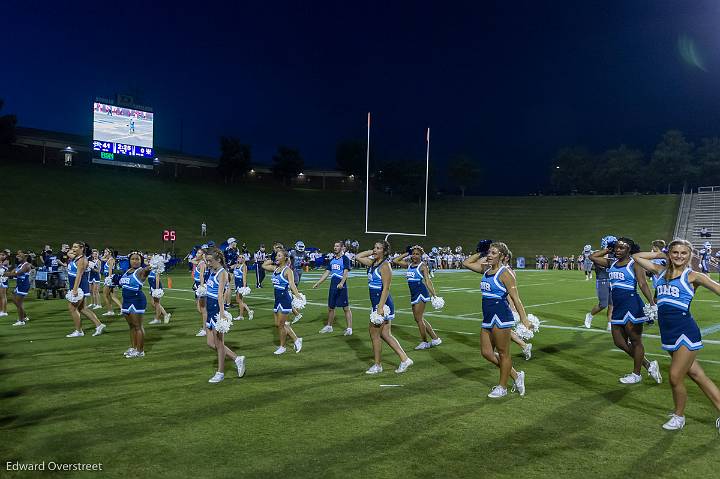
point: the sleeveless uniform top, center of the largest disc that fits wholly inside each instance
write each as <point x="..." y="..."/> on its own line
<point x="213" y="284"/>
<point x="622" y="277"/>
<point x="238" y="273"/>
<point x="492" y="287"/>
<point x="196" y="273"/>
<point x="374" y="276"/>
<point x="676" y="293"/>
<point x="130" y="282"/>
<point x="22" y="281"/>
<point x="654" y="278"/>
<point x="279" y="281"/>
<point x="414" y="275"/>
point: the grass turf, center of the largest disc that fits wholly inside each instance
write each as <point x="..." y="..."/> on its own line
<point x="128" y="209"/>
<point x="316" y="414"/>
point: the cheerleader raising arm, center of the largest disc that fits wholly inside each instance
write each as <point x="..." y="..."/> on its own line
<point x="476" y="262"/>
<point x="402" y="259"/>
<point x="365" y="258"/>
<point x="598" y="257"/>
<point x="644" y="260"/>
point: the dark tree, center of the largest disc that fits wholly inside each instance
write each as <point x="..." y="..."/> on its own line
<point x="672" y="164"/>
<point x="463" y="173"/>
<point x="350" y="157"/>
<point x="575" y="170"/>
<point x="624" y="169"/>
<point x="235" y="158"/>
<point x="708" y="158"/>
<point x="287" y="163"/>
<point x="7" y="127"/>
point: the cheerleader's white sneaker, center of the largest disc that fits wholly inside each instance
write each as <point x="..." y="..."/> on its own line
<point x="99" y="330"/>
<point x="588" y="320"/>
<point x="497" y="392"/>
<point x="374" y="369"/>
<point x="217" y="378"/>
<point x="240" y="363"/>
<point x="75" y="334"/>
<point x="280" y="350"/>
<point x="676" y="422"/>
<point x="404" y="366"/>
<point x="631" y="378"/>
<point x="527" y="351"/>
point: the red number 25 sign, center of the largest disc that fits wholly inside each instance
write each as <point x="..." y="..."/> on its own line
<point x="169" y="235"/>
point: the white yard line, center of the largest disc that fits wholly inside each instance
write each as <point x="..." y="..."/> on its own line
<point x="667" y="356"/>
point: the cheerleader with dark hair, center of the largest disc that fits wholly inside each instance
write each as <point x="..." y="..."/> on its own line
<point x="628" y="317"/>
<point x="108" y="269"/>
<point x="422" y="291"/>
<point x="383" y="310"/>
<point x="241" y="288"/>
<point x="21" y="273"/>
<point x="79" y="280"/>
<point x="94" y="279"/>
<point x="199" y="277"/>
<point x="675" y="286"/>
<point x="156" y="293"/>
<point x="134" y="303"/>
<point x="216" y="283"/>
<point x="4" y="266"/>
<point x="283" y="282"/>
<point x="498" y="282"/>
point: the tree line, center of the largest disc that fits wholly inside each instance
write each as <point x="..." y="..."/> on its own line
<point x="675" y="163"/>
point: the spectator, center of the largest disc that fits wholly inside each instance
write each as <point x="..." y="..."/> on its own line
<point x="203" y="229"/>
<point x="704" y="232"/>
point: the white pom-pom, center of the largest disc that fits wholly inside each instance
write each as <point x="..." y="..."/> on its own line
<point x="157" y="293"/>
<point x="157" y="263"/>
<point x="299" y="302"/>
<point x="223" y="325"/>
<point x="376" y="318"/>
<point x="524" y="332"/>
<point x="437" y="302"/>
<point x="243" y="290"/>
<point x="534" y="322"/>
<point x="109" y="281"/>
<point x="75" y="298"/>
<point x="651" y="312"/>
<point x="516" y="316"/>
<point x="91" y="265"/>
<point x="201" y="291"/>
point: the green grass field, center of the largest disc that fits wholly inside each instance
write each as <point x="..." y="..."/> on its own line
<point x="316" y="414"/>
<point x="127" y="209"/>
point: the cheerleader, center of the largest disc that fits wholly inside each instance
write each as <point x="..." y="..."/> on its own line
<point x="217" y="281"/>
<point x="240" y="273"/>
<point x="109" y="261"/>
<point x="497" y="284"/>
<point x="283" y="280"/>
<point x="78" y="278"/>
<point x="676" y="284"/>
<point x="421" y="291"/>
<point x="21" y="273"/>
<point x="155" y="284"/>
<point x="94" y="279"/>
<point x="199" y="277"/>
<point x="526" y="347"/>
<point x="627" y="316"/>
<point x="338" y="268"/>
<point x="4" y="266"/>
<point x="134" y="304"/>
<point x="379" y="278"/>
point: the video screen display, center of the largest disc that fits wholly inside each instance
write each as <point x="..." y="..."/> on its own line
<point x="123" y="131"/>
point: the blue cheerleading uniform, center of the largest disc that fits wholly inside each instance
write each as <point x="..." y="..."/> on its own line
<point x="654" y="278"/>
<point x="22" y="281"/>
<point x="283" y="302"/>
<point x="4" y="279"/>
<point x="375" y="285"/>
<point x="213" y="293"/>
<point x="495" y="306"/>
<point x="133" y="298"/>
<point x="338" y="298"/>
<point x="239" y="277"/>
<point x="677" y="326"/>
<point x="151" y="281"/>
<point x="627" y="305"/>
<point x="72" y="270"/>
<point x="93" y="275"/>
<point x="416" y="283"/>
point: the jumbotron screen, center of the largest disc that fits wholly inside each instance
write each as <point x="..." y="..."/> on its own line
<point x="123" y="131"/>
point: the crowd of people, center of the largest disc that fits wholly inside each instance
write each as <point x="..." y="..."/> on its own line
<point x="221" y="272"/>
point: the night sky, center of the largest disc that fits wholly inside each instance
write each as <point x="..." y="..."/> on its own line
<point x="506" y="82"/>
